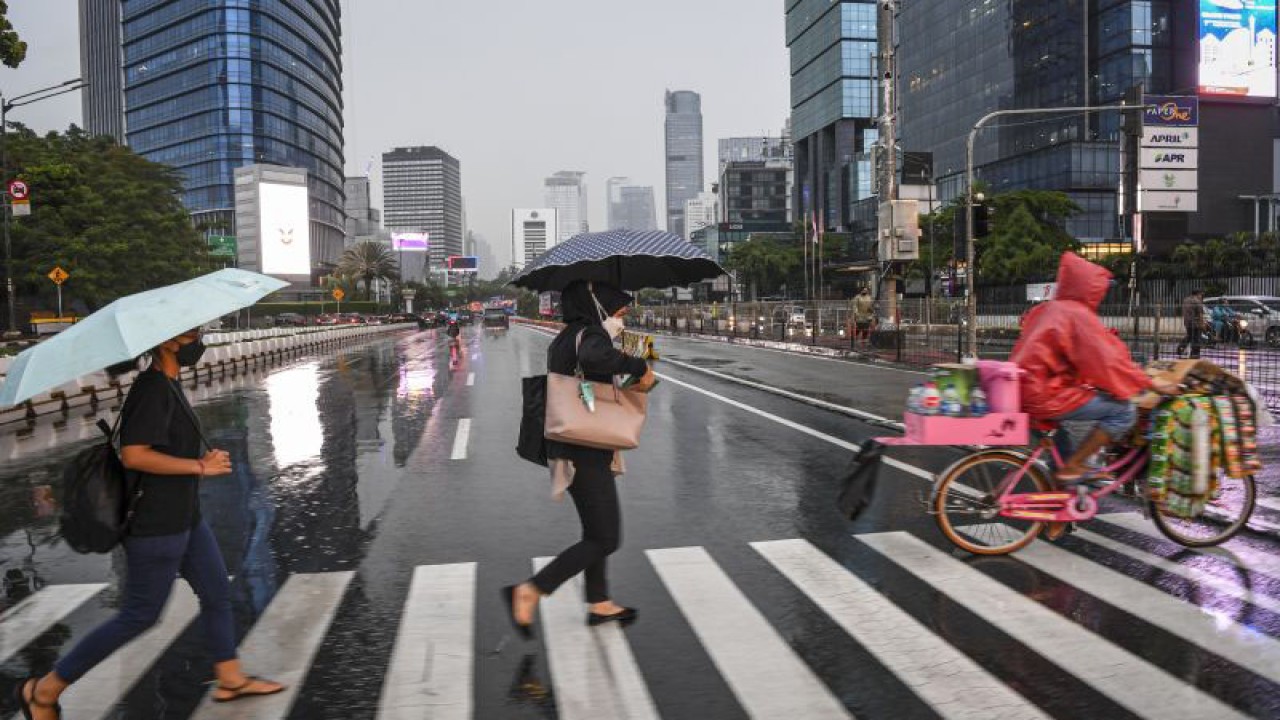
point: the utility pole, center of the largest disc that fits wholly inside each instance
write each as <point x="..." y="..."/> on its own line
<point x="886" y="37"/>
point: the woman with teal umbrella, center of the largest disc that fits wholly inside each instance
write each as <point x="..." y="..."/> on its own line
<point x="167" y="537"/>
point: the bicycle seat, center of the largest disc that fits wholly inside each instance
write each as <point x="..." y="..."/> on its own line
<point x="1043" y="426"/>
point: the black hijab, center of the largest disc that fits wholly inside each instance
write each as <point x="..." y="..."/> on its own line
<point x="577" y="305"/>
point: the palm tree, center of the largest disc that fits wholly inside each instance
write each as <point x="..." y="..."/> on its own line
<point x="369" y="260"/>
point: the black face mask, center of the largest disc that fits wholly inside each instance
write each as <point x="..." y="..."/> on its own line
<point x="190" y="354"/>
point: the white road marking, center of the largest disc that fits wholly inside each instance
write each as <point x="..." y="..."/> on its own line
<point x="433" y="664"/>
<point x="460" y="440"/>
<point x="794" y="353"/>
<point x="1243" y="646"/>
<point x="471" y="379"/>
<point x="283" y="643"/>
<point x="95" y="695"/>
<point x="1142" y="688"/>
<point x="1271" y="503"/>
<point x="763" y="671"/>
<point x="1199" y="577"/>
<point x="593" y="672"/>
<point x="952" y="684"/>
<point x="1264" y="563"/>
<point x="30" y="618"/>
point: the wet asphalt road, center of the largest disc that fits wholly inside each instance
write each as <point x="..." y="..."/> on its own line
<point x="346" y="462"/>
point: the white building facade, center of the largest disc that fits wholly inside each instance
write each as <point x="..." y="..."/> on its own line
<point x="566" y="192"/>
<point x="533" y="232"/>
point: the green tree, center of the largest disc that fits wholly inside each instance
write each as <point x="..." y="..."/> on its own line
<point x="108" y="216"/>
<point x="12" y="49"/>
<point x="367" y="261"/>
<point x="763" y="262"/>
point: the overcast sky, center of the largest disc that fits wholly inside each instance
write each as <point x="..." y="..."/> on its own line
<point x="516" y="90"/>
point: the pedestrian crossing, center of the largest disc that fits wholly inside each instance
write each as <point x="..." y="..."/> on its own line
<point x="597" y="672"/>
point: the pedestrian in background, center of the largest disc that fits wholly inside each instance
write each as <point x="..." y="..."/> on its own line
<point x="596" y="313"/>
<point x="1193" y="321"/>
<point x="166" y="537"/>
<point x="864" y="314"/>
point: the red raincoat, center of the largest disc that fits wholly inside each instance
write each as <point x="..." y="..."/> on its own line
<point x="1067" y="352"/>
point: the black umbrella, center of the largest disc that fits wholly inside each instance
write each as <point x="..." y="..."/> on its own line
<point x="627" y="259"/>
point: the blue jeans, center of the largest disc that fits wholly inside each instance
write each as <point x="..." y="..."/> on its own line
<point x="154" y="562"/>
<point x="1115" y="417"/>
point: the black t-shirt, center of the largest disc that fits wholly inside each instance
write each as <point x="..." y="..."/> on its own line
<point x="152" y="416"/>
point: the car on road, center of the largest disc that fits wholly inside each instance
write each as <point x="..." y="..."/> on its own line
<point x="290" y="319"/>
<point x="326" y="319"/>
<point x="466" y="317"/>
<point x="351" y="319"/>
<point x="401" y="318"/>
<point x="1262" y="312"/>
<point x="496" y="317"/>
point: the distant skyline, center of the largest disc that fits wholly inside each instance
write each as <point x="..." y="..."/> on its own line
<point x="491" y="104"/>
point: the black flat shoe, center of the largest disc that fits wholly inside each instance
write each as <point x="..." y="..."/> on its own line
<point x="625" y="616"/>
<point x="509" y="597"/>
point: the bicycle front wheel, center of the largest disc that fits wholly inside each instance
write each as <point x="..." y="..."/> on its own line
<point x="966" y="508"/>
<point x="1226" y="515"/>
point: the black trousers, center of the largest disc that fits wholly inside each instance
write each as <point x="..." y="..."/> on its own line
<point x="595" y="494"/>
<point x="1192" y="339"/>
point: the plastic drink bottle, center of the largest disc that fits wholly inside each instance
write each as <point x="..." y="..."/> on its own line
<point x="913" y="399"/>
<point x="1199" y="452"/>
<point x="951" y="405"/>
<point x="978" y="403"/>
<point x="930" y="399"/>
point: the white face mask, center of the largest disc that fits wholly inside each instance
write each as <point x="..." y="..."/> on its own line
<point x="614" y="326"/>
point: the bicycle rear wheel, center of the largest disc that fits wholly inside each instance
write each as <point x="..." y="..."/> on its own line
<point x="966" y="509"/>
<point x="1225" y="516"/>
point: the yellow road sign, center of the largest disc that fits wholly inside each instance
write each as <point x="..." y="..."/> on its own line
<point x="58" y="275"/>
<point x="338" y="294"/>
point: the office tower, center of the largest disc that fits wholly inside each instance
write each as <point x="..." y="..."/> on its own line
<point x="422" y="192"/>
<point x="757" y="148"/>
<point x="684" y="154"/>
<point x="970" y="58"/>
<point x="613" y="198"/>
<point x="566" y="191"/>
<point x="363" y="220"/>
<point x="102" y="66"/>
<point x="834" y="104"/>
<point x="636" y="209"/>
<point x="756" y="192"/>
<point x="212" y="86"/>
<point x="533" y="232"/>
<point x="701" y="211"/>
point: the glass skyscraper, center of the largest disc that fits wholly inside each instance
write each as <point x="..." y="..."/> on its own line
<point x="834" y="100"/>
<point x="684" y="154"/>
<point x="212" y="85"/>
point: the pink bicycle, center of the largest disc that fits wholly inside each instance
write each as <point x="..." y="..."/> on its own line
<point x="997" y="500"/>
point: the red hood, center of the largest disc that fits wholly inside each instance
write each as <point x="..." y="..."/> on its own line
<point x="1082" y="281"/>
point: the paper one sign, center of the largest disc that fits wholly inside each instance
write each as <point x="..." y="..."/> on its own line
<point x="1171" y="111"/>
<point x="1238" y="48"/>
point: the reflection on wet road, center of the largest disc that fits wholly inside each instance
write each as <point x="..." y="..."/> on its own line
<point x="377" y="506"/>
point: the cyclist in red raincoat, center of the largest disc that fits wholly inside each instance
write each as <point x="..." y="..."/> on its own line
<point x="1076" y="369"/>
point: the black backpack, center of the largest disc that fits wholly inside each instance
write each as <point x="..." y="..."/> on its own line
<point x="98" y="495"/>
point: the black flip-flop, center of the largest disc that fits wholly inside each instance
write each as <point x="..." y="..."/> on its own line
<point x="509" y="598"/>
<point x="25" y="705"/>
<point x="241" y="692"/>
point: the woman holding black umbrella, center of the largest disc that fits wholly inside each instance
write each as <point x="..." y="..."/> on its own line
<point x="594" y="312"/>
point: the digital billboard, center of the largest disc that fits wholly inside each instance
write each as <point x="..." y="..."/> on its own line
<point x="1238" y="48"/>
<point x="460" y="263"/>
<point x="410" y="241"/>
<point x="285" y="230"/>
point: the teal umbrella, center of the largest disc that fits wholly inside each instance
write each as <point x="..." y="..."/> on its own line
<point x="130" y="327"/>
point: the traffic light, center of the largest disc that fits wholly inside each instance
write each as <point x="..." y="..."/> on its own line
<point x="981" y="220"/>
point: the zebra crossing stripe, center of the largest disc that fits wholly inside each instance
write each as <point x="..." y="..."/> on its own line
<point x="951" y="683"/>
<point x="1143" y="689"/>
<point x="1208" y="580"/>
<point x="31" y="617"/>
<point x="283" y="643"/>
<point x="95" y="695"/>
<point x="1242" y="645"/>
<point x="433" y="664"/>
<point x="1256" y="562"/>
<point x="593" y="672"/>
<point x="769" y="680"/>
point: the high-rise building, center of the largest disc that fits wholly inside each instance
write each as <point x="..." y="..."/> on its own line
<point x="213" y="86"/>
<point x="533" y="232"/>
<point x="566" y="191"/>
<point x="422" y="192"/>
<point x="631" y="206"/>
<point x="363" y="219"/>
<point x="684" y="154"/>
<point x="834" y="86"/>
<point x="756" y="192"/>
<point x="972" y="57"/>
<point x="701" y="211"/>
<point x="753" y="149"/>
<point x="613" y="198"/>
<point x="102" y="65"/>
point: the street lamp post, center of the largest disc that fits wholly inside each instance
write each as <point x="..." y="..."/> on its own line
<point x="970" y="271"/>
<point x="11" y="330"/>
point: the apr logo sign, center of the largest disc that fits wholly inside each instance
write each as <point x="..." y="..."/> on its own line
<point x="1170" y="158"/>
